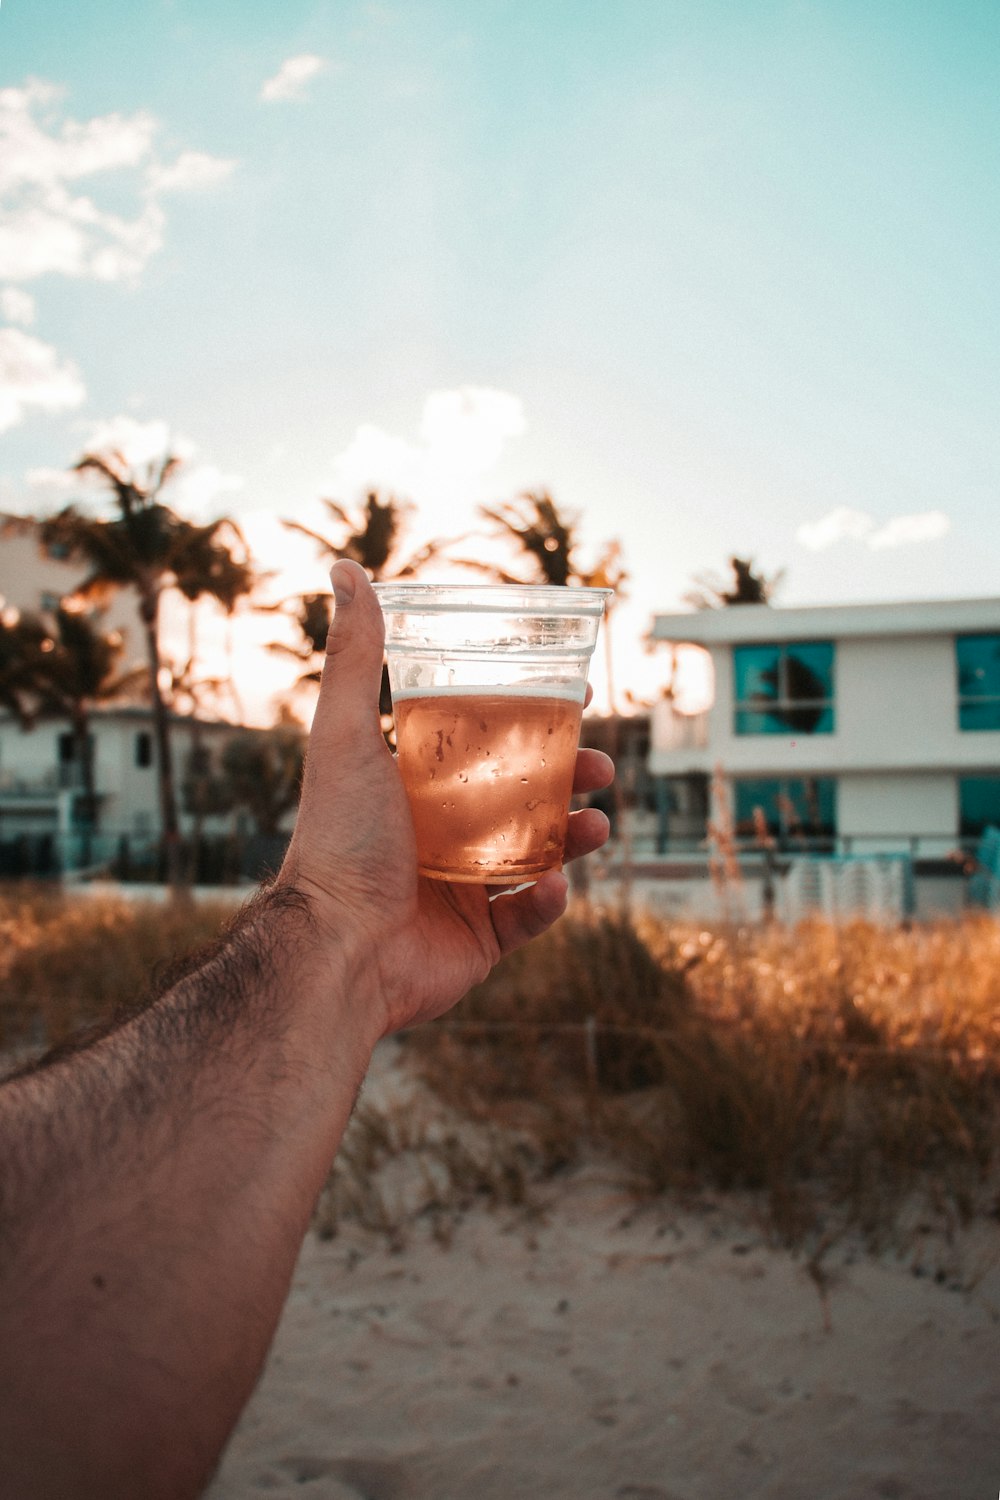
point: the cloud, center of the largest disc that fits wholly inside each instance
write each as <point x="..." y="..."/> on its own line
<point x="845" y="524"/>
<point x="192" y="170"/>
<point x="461" y="436"/>
<point x="199" y="487"/>
<point x="139" y="443"/>
<point x="48" y="224"/>
<point x="32" y="375"/>
<point x="902" y="530"/>
<point x="195" y="489"/>
<point x="834" y="527"/>
<point x="292" y="77"/>
<point x="17" y="306"/>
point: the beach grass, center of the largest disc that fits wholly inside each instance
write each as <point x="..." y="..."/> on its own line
<point x="838" y="1077"/>
<point x="70" y="962"/>
<point x="847" y="1077"/>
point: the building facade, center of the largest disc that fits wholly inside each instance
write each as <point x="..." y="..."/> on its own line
<point x="849" y="730"/>
<point x="45" y="825"/>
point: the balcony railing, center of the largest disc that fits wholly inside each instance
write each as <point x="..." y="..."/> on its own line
<point x="44" y="787"/>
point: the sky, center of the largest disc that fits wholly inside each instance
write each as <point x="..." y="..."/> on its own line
<point x="719" y="275"/>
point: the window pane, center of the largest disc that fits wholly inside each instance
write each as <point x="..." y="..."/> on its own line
<point x="979" y="715"/>
<point x="812" y="803"/>
<point x="978" y="659"/>
<point x="784" y="689"/>
<point x="756" y="671"/>
<point x="750" y="794"/>
<point x="749" y="721"/>
<point x="795" y="808"/>
<point x="810" y="670"/>
<point x="979" y="804"/>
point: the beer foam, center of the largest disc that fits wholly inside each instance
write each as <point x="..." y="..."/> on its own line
<point x="571" y="691"/>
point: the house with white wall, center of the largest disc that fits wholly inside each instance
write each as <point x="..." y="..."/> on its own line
<point x="41" y="782"/>
<point x="36" y="578"/>
<point x="844" y="730"/>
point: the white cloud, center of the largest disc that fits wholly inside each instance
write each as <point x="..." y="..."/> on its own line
<point x="845" y="524"/>
<point x="191" y="170"/>
<point x="470" y="426"/>
<point x="461" y="436"/>
<point x="139" y="443"/>
<point x="292" y="77"/>
<point x="195" y="489"/>
<point x="903" y="530"/>
<point x="55" y="483"/>
<point x="17" y="306"/>
<point x="199" y="487"/>
<point x="834" y="527"/>
<point x="32" y="375"/>
<point x="47" y="225"/>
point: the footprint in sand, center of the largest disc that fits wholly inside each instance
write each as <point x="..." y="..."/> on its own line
<point x="643" y="1492"/>
<point x="363" y="1478"/>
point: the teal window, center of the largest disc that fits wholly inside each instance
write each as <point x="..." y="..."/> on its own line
<point x="784" y="689"/>
<point x="977" y="658"/>
<point x="978" y="805"/>
<point x="797" y="810"/>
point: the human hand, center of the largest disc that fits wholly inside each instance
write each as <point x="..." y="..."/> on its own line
<point x="422" y="943"/>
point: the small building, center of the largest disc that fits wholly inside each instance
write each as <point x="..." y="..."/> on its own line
<point x="43" y="829"/>
<point x="839" y="732"/>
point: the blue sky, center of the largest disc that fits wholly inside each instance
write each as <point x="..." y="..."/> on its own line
<point x="721" y="276"/>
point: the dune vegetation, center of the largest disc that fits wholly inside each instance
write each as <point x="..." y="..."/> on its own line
<point x="832" y="1077"/>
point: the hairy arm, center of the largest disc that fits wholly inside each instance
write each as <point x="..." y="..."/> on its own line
<point x="155" y="1191"/>
<point x="156" y="1185"/>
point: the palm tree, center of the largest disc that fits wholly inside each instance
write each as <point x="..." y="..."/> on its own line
<point x="540" y="530"/>
<point x="263" y="771"/>
<point x="546" y="535"/>
<point x="535" y="525"/>
<point x="147" y="547"/>
<point x="370" y="536"/>
<point x="746" y="587"/>
<point x="75" y="667"/>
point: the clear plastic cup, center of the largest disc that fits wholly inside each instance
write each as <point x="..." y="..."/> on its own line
<point x="487" y="684"/>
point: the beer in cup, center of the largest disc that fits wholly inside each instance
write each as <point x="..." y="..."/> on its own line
<point x="488" y="683"/>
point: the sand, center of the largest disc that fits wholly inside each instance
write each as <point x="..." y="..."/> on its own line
<point x="591" y="1350"/>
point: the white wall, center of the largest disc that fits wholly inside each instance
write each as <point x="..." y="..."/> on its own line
<point x="26" y="573"/>
<point x="128" y="791"/>
<point x="896" y="707"/>
<point x="881" y="803"/>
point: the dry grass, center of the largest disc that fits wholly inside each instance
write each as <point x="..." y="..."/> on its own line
<point x="847" y="1077"/>
<point x="66" y="963"/>
<point x="842" y="1077"/>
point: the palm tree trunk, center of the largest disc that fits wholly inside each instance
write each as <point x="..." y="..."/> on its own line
<point x="169" y="829"/>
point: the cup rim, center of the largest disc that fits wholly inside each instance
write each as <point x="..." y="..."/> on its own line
<point x="545" y="598"/>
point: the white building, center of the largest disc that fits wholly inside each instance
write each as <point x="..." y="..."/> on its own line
<point x="35" y="578"/>
<point x="41" y="788"/>
<point x="40" y="776"/>
<point x="847" y="730"/>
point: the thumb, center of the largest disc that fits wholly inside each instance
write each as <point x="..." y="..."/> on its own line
<point x="347" y="708"/>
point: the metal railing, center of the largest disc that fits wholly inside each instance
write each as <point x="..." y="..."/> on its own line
<point x="211" y="859"/>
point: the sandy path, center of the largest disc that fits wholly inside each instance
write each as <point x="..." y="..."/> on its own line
<point x="608" y="1354"/>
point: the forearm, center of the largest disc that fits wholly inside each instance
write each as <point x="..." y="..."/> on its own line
<point x="155" y="1193"/>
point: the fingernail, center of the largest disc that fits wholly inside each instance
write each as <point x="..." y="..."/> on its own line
<point x="343" y="584"/>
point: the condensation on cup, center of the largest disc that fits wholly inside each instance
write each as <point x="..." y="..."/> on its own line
<point x="488" y="683"/>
